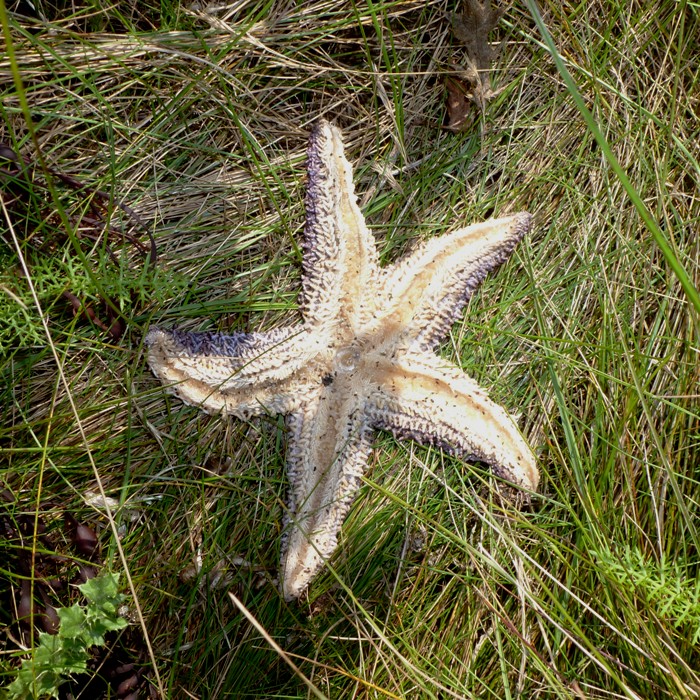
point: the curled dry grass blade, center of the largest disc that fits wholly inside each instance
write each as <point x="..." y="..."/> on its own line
<point x="442" y="587"/>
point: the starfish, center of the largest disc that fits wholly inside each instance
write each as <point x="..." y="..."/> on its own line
<point x="362" y="360"/>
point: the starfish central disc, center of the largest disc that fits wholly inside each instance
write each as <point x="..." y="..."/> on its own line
<point x="348" y="358"/>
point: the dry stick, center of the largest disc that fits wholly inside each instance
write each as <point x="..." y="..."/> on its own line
<point x="118" y="321"/>
<point x="75" y="183"/>
<point x="9" y="154"/>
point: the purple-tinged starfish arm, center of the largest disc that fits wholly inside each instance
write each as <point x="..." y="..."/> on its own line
<point x="428" y="399"/>
<point x="340" y="263"/>
<point x="329" y="442"/>
<point x="243" y="374"/>
<point x="425" y="292"/>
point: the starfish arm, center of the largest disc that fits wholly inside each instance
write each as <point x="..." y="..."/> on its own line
<point x="328" y="446"/>
<point x="430" y="400"/>
<point x="340" y="263"/>
<point x="242" y="374"/>
<point x="426" y="291"/>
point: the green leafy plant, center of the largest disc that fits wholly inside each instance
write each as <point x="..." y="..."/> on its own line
<point x="662" y="584"/>
<point x="81" y="628"/>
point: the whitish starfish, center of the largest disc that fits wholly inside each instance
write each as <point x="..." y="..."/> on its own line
<point x="363" y="359"/>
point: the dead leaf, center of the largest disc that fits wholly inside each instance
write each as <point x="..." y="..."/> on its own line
<point x="460" y="99"/>
<point x="83" y="537"/>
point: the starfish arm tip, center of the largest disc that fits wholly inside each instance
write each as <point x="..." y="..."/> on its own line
<point x="152" y="336"/>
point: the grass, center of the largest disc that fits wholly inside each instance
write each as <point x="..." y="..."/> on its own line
<point x="442" y="587"/>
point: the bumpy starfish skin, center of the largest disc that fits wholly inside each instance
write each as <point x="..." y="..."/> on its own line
<point x="363" y="359"/>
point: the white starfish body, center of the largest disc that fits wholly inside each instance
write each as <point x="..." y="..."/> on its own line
<point x="362" y="360"/>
